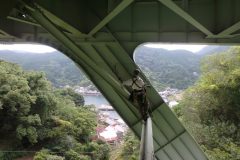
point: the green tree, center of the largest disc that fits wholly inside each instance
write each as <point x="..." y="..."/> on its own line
<point x="128" y="150"/>
<point x="32" y="113"/>
<point x="71" y="94"/>
<point x="16" y="100"/>
<point x="99" y="150"/>
<point x="45" y="154"/>
<point x="212" y="105"/>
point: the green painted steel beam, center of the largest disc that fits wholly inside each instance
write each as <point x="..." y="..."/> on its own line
<point x="112" y="89"/>
<point x="179" y="11"/>
<point x="170" y="141"/>
<point x="113" y="37"/>
<point x="227" y="32"/>
<point x="116" y="40"/>
<point x="58" y="21"/>
<point x="23" y="21"/>
<point x="36" y="24"/>
<point x="84" y="59"/>
<point x="231" y="29"/>
<point x="110" y="16"/>
<point x="4" y="34"/>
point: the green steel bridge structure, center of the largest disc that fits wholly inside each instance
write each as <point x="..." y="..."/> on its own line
<point x="100" y="36"/>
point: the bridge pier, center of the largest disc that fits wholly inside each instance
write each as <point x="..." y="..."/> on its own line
<point x="146" y="147"/>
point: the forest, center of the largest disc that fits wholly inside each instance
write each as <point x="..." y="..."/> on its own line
<point x="210" y="109"/>
<point x="45" y="122"/>
<point x="176" y="69"/>
<point x="52" y="123"/>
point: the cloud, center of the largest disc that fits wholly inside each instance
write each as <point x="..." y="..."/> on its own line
<point x="31" y="48"/>
<point x="189" y="47"/>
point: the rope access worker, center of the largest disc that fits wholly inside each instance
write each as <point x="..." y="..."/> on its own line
<point x="138" y="93"/>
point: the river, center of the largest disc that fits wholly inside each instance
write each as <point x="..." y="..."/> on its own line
<point x="95" y="100"/>
<point x="98" y="101"/>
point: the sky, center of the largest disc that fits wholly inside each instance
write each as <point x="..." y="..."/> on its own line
<point x="32" y="48"/>
<point x="37" y="48"/>
<point x="190" y="47"/>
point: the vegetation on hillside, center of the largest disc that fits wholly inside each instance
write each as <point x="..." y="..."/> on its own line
<point x="55" y="124"/>
<point x="176" y="69"/>
<point x="128" y="150"/>
<point x="59" y="69"/>
<point x="36" y="118"/>
<point x="211" y="108"/>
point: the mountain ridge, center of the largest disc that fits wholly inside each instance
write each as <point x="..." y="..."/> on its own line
<point x="164" y="68"/>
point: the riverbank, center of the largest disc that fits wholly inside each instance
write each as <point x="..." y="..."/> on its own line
<point x="87" y="91"/>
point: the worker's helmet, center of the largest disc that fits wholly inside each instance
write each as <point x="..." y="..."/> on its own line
<point x="136" y="72"/>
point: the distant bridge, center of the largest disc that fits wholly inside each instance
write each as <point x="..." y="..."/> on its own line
<point x="100" y="36"/>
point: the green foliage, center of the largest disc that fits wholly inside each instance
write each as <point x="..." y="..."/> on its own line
<point x="176" y="69"/>
<point x="128" y="150"/>
<point x="212" y="105"/>
<point x="68" y="128"/>
<point x="99" y="150"/>
<point x="71" y="94"/>
<point x="80" y="121"/>
<point x="130" y="147"/>
<point x="72" y="155"/>
<point x="12" y="155"/>
<point x="45" y="154"/>
<point x="35" y="115"/>
<point x="16" y="101"/>
<point x="59" y="69"/>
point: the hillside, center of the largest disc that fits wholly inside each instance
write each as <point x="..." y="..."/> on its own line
<point x="212" y="50"/>
<point x="176" y="69"/>
<point x="60" y="70"/>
